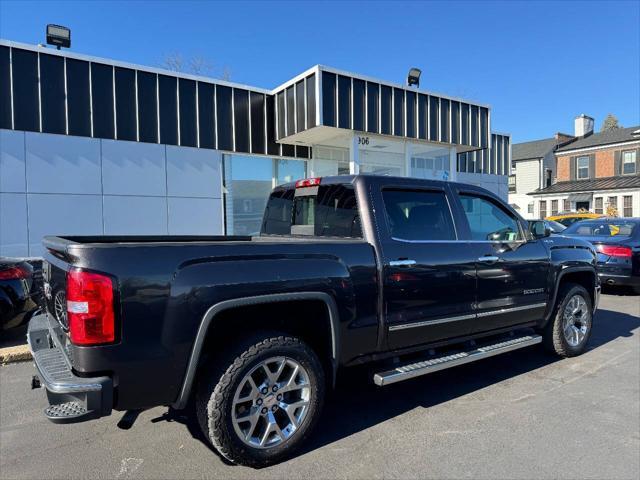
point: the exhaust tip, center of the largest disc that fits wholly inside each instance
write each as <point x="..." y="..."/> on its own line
<point x="610" y="281"/>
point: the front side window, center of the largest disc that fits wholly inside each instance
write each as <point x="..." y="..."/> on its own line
<point x="418" y="215"/>
<point x="488" y="221"/>
<point x="629" y="163"/>
<point x="582" y="167"/>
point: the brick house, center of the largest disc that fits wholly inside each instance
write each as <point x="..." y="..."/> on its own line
<point x="594" y="172"/>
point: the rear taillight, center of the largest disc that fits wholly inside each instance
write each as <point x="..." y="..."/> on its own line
<point x="614" y="251"/>
<point x="308" y="182"/>
<point x="90" y="308"/>
<point x="14" y="273"/>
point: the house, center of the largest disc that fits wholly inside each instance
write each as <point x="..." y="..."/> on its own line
<point x="533" y="168"/>
<point x="598" y="172"/>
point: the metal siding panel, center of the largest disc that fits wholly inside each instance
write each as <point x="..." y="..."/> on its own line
<point x="52" y="94"/>
<point x="78" y="98"/>
<point x="455" y="122"/>
<point x="301" y="116"/>
<point x="147" y="107"/>
<point x="26" y="114"/>
<point x="188" y="120"/>
<point x="484" y="127"/>
<point x="433" y="118"/>
<point x="256" y="101"/>
<point x="385" y="110"/>
<point x="444" y="120"/>
<point x="241" y="116"/>
<point x="273" y="148"/>
<point x="311" y="101"/>
<point x="302" y="151"/>
<point x="281" y="106"/>
<point x="372" y="107"/>
<point x="5" y="89"/>
<point x="288" y="150"/>
<point x="329" y="99"/>
<point x="398" y="112"/>
<point x="102" y="100"/>
<point x="464" y="119"/>
<point x="126" y="104"/>
<point x="224" y="117"/>
<point x="423" y="115"/>
<point x="168" y="109"/>
<point x="206" y="115"/>
<point x="291" y="110"/>
<point x="358" y="104"/>
<point x="410" y="108"/>
<point x="474" y="126"/>
<point x="344" y="102"/>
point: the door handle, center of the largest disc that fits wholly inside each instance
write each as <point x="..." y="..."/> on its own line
<point x="489" y="258"/>
<point x="402" y="263"/>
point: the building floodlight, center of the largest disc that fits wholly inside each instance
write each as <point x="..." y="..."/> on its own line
<point x="59" y="36"/>
<point x="414" y="77"/>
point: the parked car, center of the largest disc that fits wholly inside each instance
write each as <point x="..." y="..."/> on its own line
<point x="18" y="292"/>
<point x="569" y="218"/>
<point x="408" y="276"/>
<point x="551" y="225"/>
<point x="617" y="241"/>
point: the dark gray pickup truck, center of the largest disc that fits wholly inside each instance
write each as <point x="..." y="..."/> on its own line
<point x="405" y="275"/>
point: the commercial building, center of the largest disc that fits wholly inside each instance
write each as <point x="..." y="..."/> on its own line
<point x="94" y="146"/>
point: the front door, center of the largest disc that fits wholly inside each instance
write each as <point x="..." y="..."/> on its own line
<point x="429" y="279"/>
<point x="512" y="271"/>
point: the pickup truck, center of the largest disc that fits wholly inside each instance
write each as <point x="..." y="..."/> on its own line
<point x="405" y="275"/>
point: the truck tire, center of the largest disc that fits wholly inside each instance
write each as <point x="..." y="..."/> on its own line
<point x="259" y="402"/>
<point x="567" y="332"/>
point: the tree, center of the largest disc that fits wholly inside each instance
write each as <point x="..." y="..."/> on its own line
<point x="610" y="123"/>
<point x="196" y="65"/>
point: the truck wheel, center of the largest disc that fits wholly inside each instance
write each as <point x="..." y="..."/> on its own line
<point x="258" y="403"/>
<point x="568" y="331"/>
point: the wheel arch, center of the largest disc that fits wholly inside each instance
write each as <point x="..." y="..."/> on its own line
<point x="585" y="276"/>
<point x="214" y="312"/>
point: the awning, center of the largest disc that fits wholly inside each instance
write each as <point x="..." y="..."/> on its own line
<point x="580" y="197"/>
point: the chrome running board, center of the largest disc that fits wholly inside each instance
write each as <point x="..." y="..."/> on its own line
<point x="412" y="370"/>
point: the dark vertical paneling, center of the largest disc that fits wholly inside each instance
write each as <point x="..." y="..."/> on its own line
<point x="288" y="150"/>
<point x="167" y="94"/>
<point x="411" y="114"/>
<point x="373" y="90"/>
<point x="434" y="122"/>
<point x="26" y="115"/>
<point x="499" y="156"/>
<point x="398" y="111"/>
<point x="444" y="120"/>
<point x="474" y="125"/>
<point x="385" y="109"/>
<point x="462" y="162"/>
<point x="187" y="106"/>
<point x="78" y="98"/>
<point x="272" y="147"/>
<point x="225" y="118"/>
<point x="464" y="120"/>
<point x="494" y="145"/>
<point x="358" y="104"/>
<point x="291" y="110"/>
<point x="52" y="94"/>
<point x="423" y="115"/>
<point x="147" y="107"/>
<point x="344" y="102"/>
<point x="126" y="104"/>
<point x="102" y="100"/>
<point x="455" y="122"/>
<point x="206" y="115"/>
<point x="484" y="127"/>
<point x="281" y="106"/>
<point x="311" y="101"/>
<point x="300" y="113"/>
<point x="329" y="99"/>
<point x="241" y="114"/>
<point x="302" y="151"/>
<point x="5" y="88"/>
<point x="506" y="160"/>
<point x="256" y="102"/>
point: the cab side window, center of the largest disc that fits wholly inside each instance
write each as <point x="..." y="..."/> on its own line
<point x="489" y="221"/>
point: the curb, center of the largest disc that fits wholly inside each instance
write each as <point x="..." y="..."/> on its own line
<point x="19" y="353"/>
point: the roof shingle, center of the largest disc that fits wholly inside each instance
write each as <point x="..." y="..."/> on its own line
<point x="617" y="135"/>
<point x="535" y="149"/>
<point x="606" y="183"/>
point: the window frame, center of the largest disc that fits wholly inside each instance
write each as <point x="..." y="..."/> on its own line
<point x="578" y="167"/>
<point x="596" y="201"/>
<point x="497" y="203"/>
<point x="540" y="203"/>
<point x="624" y="206"/>
<point x="425" y="189"/>
<point x="623" y="162"/>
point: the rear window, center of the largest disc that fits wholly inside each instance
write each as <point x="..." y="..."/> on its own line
<point x="602" y="229"/>
<point x="323" y="211"/>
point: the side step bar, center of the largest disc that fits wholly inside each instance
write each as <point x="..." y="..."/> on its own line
<point x="412" y="370"/>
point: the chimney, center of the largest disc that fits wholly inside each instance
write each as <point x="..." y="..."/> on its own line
<point x="563" y="137"/>
<point x="583" y="125"/>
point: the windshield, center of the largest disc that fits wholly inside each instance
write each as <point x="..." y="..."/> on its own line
<point x="555" y="227"/>
<point x="602" y="229"/>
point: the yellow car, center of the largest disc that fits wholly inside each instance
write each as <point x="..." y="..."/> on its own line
<point x="567" y="219"/>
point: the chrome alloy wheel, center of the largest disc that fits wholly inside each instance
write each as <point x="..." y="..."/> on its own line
<point x="271" y="402"/>
<point x="576" y="320"/>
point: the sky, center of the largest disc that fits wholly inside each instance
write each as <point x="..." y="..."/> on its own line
<point x="537" y="64"/>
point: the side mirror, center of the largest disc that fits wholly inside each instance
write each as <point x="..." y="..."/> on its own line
<point x="538" y="229"/>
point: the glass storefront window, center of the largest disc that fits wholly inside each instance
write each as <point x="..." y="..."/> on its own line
<point x="382" y="163"/>
<point x="429" y="162"/>
<point x="290" y="170"/>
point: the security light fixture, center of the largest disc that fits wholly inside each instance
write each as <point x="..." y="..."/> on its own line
<point x="414" y="77"/>
<point x="59" y="36"/>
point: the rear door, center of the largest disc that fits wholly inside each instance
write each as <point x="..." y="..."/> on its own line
<point x="512" y="270"/>
<point x="429" y="279"/>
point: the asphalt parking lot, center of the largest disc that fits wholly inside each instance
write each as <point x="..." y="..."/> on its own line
<point x="525" y="414"/>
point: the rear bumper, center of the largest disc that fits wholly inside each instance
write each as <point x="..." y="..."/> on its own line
<point x="71" y="398"/>
<point x="622" y="280"/>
